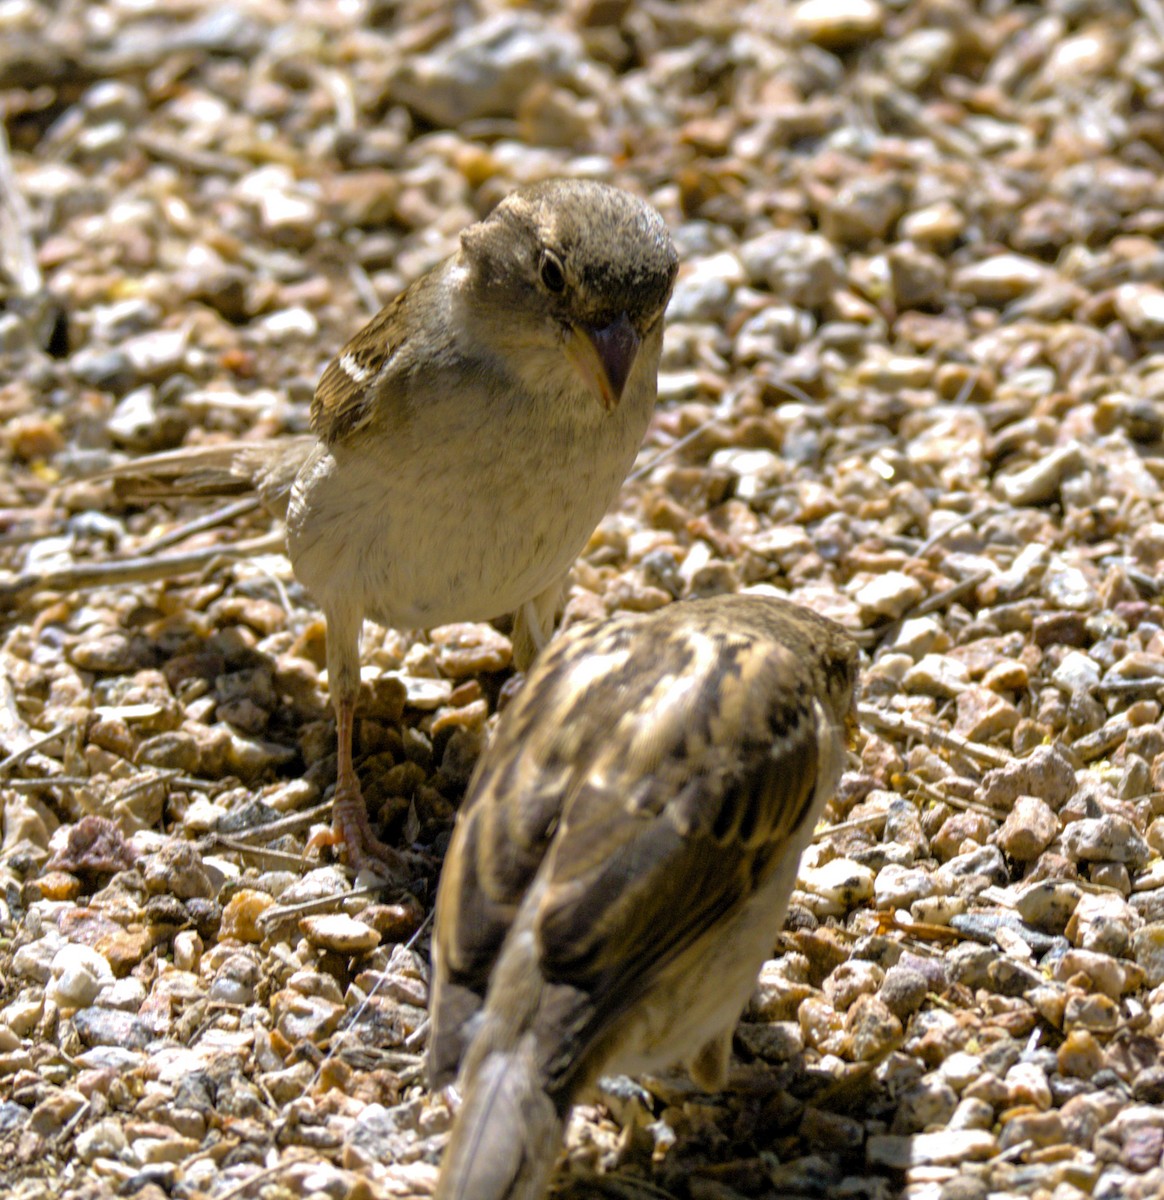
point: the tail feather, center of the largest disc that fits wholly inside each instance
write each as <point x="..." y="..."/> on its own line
<point x="507" y="1134"/>
<point x="227" y="469"/>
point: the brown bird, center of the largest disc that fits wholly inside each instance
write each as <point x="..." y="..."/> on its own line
<point x="622" y="864"/>
<point x="467" y="440"/>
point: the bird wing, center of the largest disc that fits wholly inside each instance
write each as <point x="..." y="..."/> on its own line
<point x="647" y="802"/>
<point x="373" y="379"/>
<point x="646" y="864"/>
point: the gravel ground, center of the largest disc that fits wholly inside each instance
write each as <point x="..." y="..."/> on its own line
<point x="913" y="377"/>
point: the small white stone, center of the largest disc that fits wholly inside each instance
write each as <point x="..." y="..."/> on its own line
<point x="919" y="636"/>
<point x="1001" y="277"/>
<point x="106" y="1139"/>
<point x="1148" y="948"/>
<point x="704" y="290"/>
<point x="925" y="1149"/>
<point x="1141" y="308"/>
<point x="78" y="975"/>
<point x="1105" y="839"/>
<point x="1077" y="672"/>
<point x="898" y="887"/>
<point x="889" y="595"/>
<point x="842" y="881"/>
<point x="937" y="675"/>
<point x="126" y="995"/>
<point x="187" y="950"/>
<point x="961" y="1069"/>
<point x="290" y="324"/>
<point x="1039" y="483"/>
<point x="837" y="23"/>
<point x="756" y="470"/>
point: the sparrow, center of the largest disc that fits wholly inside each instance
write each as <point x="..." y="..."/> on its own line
<point x="466" y="442"/>
<point x="622" y="863"/>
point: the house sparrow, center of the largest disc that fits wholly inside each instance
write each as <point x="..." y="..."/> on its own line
<point x="622" y="864"/>
<point x="468" y="439"/>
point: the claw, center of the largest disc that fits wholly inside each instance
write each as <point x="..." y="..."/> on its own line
<point x="360" y="848"/>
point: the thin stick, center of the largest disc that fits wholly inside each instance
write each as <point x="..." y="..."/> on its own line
<point x="16" y="758"/>
<point x="17" y="251"/>
<point x="899" y="723"/>
<point x="220" y="516"/>
<point x="307" y="908"/>
<point x="142" y="569"/>
<point x="947" y="596"/>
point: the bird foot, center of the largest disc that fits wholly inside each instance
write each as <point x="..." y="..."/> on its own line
<point x="351" y="833"/>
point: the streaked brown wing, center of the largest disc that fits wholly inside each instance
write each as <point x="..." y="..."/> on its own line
<point x="630" y="888"/>
<point x="640" y="782"/>
<point x="346" y="396"/>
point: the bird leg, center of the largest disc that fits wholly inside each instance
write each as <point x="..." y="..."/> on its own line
<point x="351" y="829"/>
<point x="533" y="624"/>
<point x="360" y="847"/>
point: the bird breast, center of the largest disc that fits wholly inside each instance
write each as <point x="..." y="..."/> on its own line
<point x="467" y="519"/>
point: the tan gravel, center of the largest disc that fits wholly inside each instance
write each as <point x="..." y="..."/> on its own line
<point x="913" y="377"/>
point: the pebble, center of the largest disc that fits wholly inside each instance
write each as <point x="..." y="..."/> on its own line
<point x="890" y="595"/>
<point x="1148" y="952"/>
<point x="850" y="980"/>
<point x="898" y="1153"/>
<point x="485" y="69"/>
<point x="1046" y="773"/>
<point x="982" y="714"/>
<point x="703" y="292"/>
<point x="937" y="675"/>
<point x="1080" y="1054"/>
<point x="235" y="980"/>
<point x="1000" y="278"/>
<point x="961" y="1069"/>
<point x="339" y="932"/>
<point x="1106" y="839"/>
<point x="1098" y="1014"/>
<point x="1040" y="483"/>
<point x="109" y="1027"/>
<point x="802" y="268"/>
<point x="897" y="886"/>
<point x="837" y="24"/>
<point x="468" y="649"/>
<point x="903" y="990"/>
<point x="840" y="881"/>
<point x="1029" y="829"/>
<point x="240" y="915"/>
<point x="929" y="1103"/>
<point x="1039" y="1129"/>
<point x="1141" y="307"/>
<point x="78" y="975"/>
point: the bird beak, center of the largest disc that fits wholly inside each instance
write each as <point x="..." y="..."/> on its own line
<point x="603" y="357"/>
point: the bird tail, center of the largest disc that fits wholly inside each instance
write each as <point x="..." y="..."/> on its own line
<point x="226" y="469"/>
<point x="507" y="1134"/>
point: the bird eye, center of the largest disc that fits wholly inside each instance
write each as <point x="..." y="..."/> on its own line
<point x="550" y="269"/>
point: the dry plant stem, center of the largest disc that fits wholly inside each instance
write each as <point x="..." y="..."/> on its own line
<point x="18" y="261"/>
<point x="15" y="759"/>
<point x="940" y="600"/>
<point x="220" y="516"/>
<point x="969" y="519"/>
<point x="322" y="904"/>
<point x="144" y="569"/>
<point x="291" y="823"/>
<point x="901" y="725"/>
<point x="260" y="854"/>
<point x="944" y="796"/>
